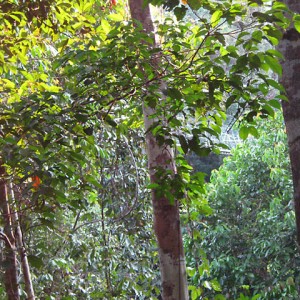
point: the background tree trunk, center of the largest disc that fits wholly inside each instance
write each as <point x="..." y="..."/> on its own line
<point x="166" y="215"/>
<point x="22" y="251"/>
<point x="290" y="48"/>
<point x="10" y="259"/>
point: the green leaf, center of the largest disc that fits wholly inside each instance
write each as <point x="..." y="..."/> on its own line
<point x="207" y="284"/>
<point x="275" y="84"/>
<point x="297" y="25"/>
<point x="219" y="297"/>
<point x="180" y="12"/>
<point x="49" y="88"/>
<point x="268" y="110"/>
<point x="244" y="132"/>
<point x="109" y="120"/>
<point x="116" y="17"/>
<point x="215" y="18"/>
<point x="174" y="93"/>
<point x="276" y="53"/>
<point x="279" y="5"/>
<point x="190" y="271"/>
<point x="91" y="179"/>
<point x="151" y="101"/>
<point x="47" y="223"/>
<point x="257" y="35"/>
<point x="257" y="2"/>
<point x="77" y="156"/>
<point x="153" y="186"/>
<point x="183" y="143"/>
<point x="105" y="26"/>
<point x="35" y="261"/>
<point x="196" y="293"/>
<point x="216" y="285"/>
<point x="274" y="35"/>
<point x="274" y="64"/>
<point x="253" y="131"/>
<point x="195" y="4"/>
<point x="204" y="209"/>
<point x="275" y="103"/>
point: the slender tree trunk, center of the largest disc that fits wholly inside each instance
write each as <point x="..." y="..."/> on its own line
<point x="10" y="259"/>
<point x="166" y="215"/>
<point x="290" y="48"/>
<point x="22" y="252"/>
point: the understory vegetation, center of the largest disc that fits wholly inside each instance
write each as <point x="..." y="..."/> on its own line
<point x="249" y="237"/>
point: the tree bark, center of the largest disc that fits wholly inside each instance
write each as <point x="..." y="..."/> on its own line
<point x="290" y="48"/>
<point x="10" y="259"/>
<point x="22" y="252"/>
<point x="166" y="215"/>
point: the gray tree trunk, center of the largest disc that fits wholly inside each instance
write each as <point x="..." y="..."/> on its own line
<point x="166" y="215"/>
<point x="290" y="48"/>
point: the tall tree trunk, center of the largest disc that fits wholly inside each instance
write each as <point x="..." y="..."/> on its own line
<point x="22" y="251"/>
<point x="290" y="48"/>
<point x="166" y="215"/>
<point x="10" y="259"/>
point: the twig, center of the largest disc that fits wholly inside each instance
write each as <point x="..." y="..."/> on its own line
<point x="5" y="238"/>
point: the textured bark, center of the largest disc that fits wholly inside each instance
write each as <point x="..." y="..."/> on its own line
<point x="290" y="48"/>
<point x="10" y="259"/>
<point x="166" y="215"/>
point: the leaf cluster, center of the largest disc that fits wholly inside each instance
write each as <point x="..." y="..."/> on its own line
<point x="250" y="237"/>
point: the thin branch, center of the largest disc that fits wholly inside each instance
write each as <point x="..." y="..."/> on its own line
<point x="76" y="220"/>
<point x="5" y="238"/>
<point x="86" y="223"/>
<point x="137" y="186"/>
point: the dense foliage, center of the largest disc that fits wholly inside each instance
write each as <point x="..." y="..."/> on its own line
<point x="250" y="237"/>
<point x="74" y="76"/>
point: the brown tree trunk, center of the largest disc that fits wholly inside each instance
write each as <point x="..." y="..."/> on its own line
<point x="22" y="252"/>
<point x="10" y="259"/>
<point x="290" y="48"/>
<point x="166" y="215"/>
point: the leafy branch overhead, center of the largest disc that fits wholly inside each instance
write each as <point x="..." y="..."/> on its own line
<point x="103" y="72"/>
<point x="60" y="84"/>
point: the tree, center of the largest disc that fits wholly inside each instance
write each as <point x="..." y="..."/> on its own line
<point x="161" y="164"/>
<point x="9" y="261"/>
<point x="289" y="46"/>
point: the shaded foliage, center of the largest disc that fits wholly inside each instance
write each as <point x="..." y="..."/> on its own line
<point x="250" y="238"/>
<point x="206" y="164"/>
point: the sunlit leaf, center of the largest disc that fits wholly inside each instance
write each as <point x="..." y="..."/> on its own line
<point x="215" y="18"/>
